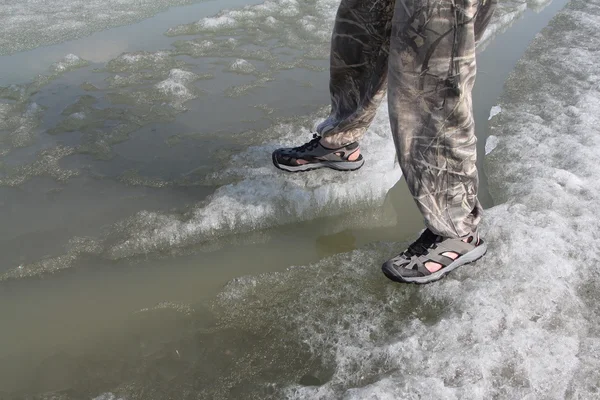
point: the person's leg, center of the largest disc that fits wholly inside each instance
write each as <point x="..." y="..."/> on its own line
<point x="431" y="75"/>
<point x="358" y="76"/>
<point x="358" y="69"/>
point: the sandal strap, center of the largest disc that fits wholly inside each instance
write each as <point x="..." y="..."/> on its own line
<point x="438" y="258"/>
<point x="420" y="264"/>
<point x="436" y="254"/>
<point x="454" y="246"/>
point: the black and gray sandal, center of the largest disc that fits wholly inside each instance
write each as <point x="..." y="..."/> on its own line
<point x="314" y="155"/>
<point x="409" y="267"/>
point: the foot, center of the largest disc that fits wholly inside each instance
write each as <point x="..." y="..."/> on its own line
<point x="432" y="256"/>
<point x="313" y="155"/>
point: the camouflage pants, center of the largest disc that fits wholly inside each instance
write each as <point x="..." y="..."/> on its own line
<point x="423" y="53"/>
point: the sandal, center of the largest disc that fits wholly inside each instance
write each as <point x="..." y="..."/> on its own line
<point x="410" y="266"/>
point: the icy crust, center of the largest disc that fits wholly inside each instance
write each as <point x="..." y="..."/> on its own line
<point x="77" y="247"/>
<point x="151" y="87"/>
<point x="261" y="196"/>
<point x="521" y="323"/>
<point x="242" y="66"/>
<point x="252" y="193"/>
<point x="304" y="25"/>
<point x="68" y="63"/>
<point x="178" y="86"/>
<point x="338" y="329"/>
<point x="477" y="335"/>
<point x="301" y="25"/>
<point x="490" y="144"/>
<point x="143" y="80"/>
<point x="143" y="60"/>
<point x="107" y="396"/>
<point x="169" y="306"/>
<point x="18" y="122"/>
<point x="81" y="248"/>
<point x="27" y="24"/>
<point x="147" y="87"/>
<point x="46" y="164"/>
<point x="20" y="116"/>
<point x="143" y="68"/>
<point x="545" y="167"/>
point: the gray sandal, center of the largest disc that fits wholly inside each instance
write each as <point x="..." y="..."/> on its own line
<point x="314" y="155"/>
<point x="409" y="267"/>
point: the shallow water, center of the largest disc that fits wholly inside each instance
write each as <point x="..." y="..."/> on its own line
<point x="83" y="153"/>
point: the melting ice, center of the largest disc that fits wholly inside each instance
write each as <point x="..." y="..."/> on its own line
<point x="520" y="324"/>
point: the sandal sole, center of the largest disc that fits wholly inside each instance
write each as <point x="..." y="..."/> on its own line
<point x="466" y="259"/>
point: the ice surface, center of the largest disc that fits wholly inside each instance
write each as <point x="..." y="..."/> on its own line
<point x="20" y="116"/>
<point x="490" y="144"/>
<point x="17" y="124"/>
<point x="177" y="86"/>
<point x="47" y="163"/>
<point x="167" y="305"/>
<point x="69" y="62"/>
<point x="521" y="323"/>
<point x="77" y="246"/>
<point x="149" y="87"/>
<point x="494" y="111"/>
<point x="506" y="13"/>
<point x="143" y="60"/>
<point x="518" y="324"/>
<point x="242" y="66"/>
<point x="26" y="24"/>
<point x="107" y="396"/>
<point x="260" y="196"/>
<point x="305" y="26"/>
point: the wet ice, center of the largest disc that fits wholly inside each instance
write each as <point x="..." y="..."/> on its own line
<point x="515" y="325"/>
<point x="478" y="334"/>
<point x="27" y="24"/>
<point x="143" y="88"/>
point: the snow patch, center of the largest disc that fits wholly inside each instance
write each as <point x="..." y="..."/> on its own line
<point x="494" y="111"/>
<point x="242" y="66"/>
<point x="490" y="144"/>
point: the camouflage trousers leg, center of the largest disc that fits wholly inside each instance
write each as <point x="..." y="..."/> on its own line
<point x="424" y="50"/>
<point x="358" y="68"/>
